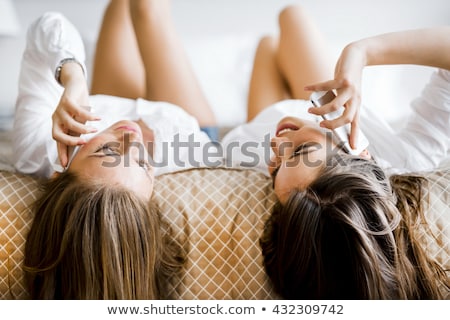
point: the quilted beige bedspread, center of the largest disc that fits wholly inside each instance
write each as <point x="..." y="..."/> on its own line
<point x="217" y="215"/>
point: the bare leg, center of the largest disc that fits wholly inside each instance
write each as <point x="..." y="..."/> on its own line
<point x="118" y="68"/>
<point x="169" y="74"/>
<point x="283" y="68"/>
<point x="303" y="55"/>
<point x="267" y="85"/>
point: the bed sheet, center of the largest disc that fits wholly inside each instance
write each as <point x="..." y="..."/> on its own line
<point x="5" y="150"/>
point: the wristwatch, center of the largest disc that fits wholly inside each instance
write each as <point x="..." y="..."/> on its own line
<point x="60" y="65"/>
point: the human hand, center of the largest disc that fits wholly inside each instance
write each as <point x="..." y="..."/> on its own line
<point x="70" y="117"/>
<point x="347" y="84"/>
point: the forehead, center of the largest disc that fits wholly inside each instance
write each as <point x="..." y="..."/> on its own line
<point x="114" y="172"/>
<point x="299" y="172"/>
<point x="294" y="178"/>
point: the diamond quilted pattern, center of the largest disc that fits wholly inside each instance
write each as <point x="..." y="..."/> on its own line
<point x="217" y="215"/>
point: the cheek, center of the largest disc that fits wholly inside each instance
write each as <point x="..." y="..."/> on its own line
<point x="146" y="188"/>
<point x="311" y="132"/>
<point x="285" y="183"/>
<point x="273" y="164"/>
<point x="297" y="177"/>
<point x="281" y="193"/>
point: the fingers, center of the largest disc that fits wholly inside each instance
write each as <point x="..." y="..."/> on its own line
<point x="347" y="97"/>
<point x="323" y="86"/>
<point x="62" y="136"/>
<point x="76" y="127"/>
<point x="83" y="114"/>
<point x="64" y="124"/>
<point x="63" y="141"/>
<point x="72" y="119"/>
<point x="62" y="154"/>
<point x="66" y="131"/>
<point x="80" y="114"/>
<point x="348" y="116"/>
<point x="354" y="129"/>
<point x="333" y="106"/>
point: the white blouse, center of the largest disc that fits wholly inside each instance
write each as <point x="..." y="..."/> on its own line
<point x="420" y="145"/>
<point x="53" y="38"/>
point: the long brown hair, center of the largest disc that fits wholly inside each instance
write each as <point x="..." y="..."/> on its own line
<point x="92" y="241"/>
<point x="352" y="234"/>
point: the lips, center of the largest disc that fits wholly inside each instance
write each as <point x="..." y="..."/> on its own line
<point x="286" y="127"/>
<point x="127" y="128"/>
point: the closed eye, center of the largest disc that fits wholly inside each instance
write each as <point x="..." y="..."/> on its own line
<point x="304" y="148"/>
<point x="108" y="150"/>
<point x="146" y="167"/>
<point x="143" y="164"/>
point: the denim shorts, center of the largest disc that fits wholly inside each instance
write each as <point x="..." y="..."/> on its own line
<point x="212" y="132"/>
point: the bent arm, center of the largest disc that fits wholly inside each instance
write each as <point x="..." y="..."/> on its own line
<point x="427" y="47"/>
<point x="50" y="39"/>
<point x="72" y="112"/>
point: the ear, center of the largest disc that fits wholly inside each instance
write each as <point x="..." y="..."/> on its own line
<point x="55" y="175"/>
<point x="365" y="154"/>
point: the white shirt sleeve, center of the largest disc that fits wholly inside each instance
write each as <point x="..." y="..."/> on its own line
<point x="179" y="144"/>
<point x="424" y="141"/>
<point x="50" y="39"/>
<point x="248" y="145"/>
<point x="428" y="129"/>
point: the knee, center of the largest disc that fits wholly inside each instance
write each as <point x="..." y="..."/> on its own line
<point x="290" y="14"/>
<point x="267" y="43"/>
<point x="267" y="48"/>
<point x="147" y="8"/>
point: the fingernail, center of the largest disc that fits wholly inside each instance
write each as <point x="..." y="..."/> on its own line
<point x="92" y="130"/>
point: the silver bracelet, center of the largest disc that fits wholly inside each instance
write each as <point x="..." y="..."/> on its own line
<point x="61" y="64"/>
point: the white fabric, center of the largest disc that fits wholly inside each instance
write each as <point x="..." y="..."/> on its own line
<point x="421" y="145"/>
<point x="248" y="145"/>
<point x="49" y="40"/>
<point x="424" y="141"/>
<point x="174" y="130"/>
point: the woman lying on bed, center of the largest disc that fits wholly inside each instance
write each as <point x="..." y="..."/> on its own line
<point x="95" y="235"/>
<point x="345" y="226"/>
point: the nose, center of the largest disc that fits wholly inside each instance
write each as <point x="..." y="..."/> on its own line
<point x="131" y="141"/>
<point x="279" y="145"/>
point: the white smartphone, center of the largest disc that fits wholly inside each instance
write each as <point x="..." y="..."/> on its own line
<point x="341" y="134"/>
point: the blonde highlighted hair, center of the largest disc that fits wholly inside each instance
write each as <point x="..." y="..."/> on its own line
<point x="92" y="241"/>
